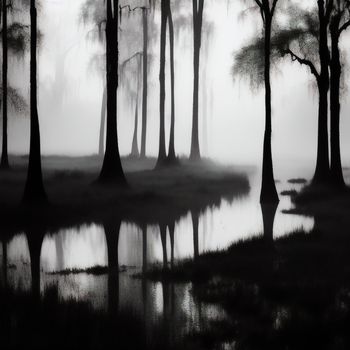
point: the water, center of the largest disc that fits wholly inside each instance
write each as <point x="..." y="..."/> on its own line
<point x="84" y="247"/>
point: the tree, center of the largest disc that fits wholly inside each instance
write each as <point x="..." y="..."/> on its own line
<point x="311" y="34"/>
<point x="322" y="164"/>
<point x="164" y="18"/>
<point x="132" y="65"/>
<point x="4" y="156"/>
<point x="339" y="22"/>
<point x="197" y="7"/>
<point x="171" y="152"/>
<point x="93" y="12"/>
<point x="112" y="171"/>
<point x="261" y="47"/>
<point x="14" y="38"/>
<point x="34" y="188"/>
<point x="144" y="81"/>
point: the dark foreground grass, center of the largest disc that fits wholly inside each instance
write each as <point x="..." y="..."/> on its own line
<point x="293" y="293"/>
<point x="29" y="322"/>
<point x="96" y="270"/>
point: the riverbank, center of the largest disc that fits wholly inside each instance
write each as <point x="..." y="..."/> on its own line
<point x="153" y="196"/>
<point x="293" y="292"/>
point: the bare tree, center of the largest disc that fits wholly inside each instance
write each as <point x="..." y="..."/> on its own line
<point x="339" y="22"/>
<point x="112" y="171"/>
<point x="34" y="189"/>
<point x="261" y="47"/>
<point x="197" y="8"/>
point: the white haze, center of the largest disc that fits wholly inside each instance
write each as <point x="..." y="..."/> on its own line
<point x="70" y="122"/>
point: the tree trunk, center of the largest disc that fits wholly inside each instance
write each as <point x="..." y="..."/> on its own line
<point x="205" y="119"/>
<point x="4" y="157"/>
<point x="268" y="188"/>
<point x="321" y="175"/>
<point x="162" y="150"/>
<point x="197" y="38"/>
<point x="34" y="189"/>
<point x="171" y="154"/>
<point x="135" y="147"/>
<point x="268" y="213"/>
<point x="101" y="148"/>
<point x="145" y="83"/>
<point x="336" y="170"/>
<point x="112" y="171"/>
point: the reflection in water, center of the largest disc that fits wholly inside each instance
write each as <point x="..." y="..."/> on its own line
<point x="35" y="241"/>
<point x="163" y="231"/>
<point x="4" y="263"/>
<point x="144" y="248"/>
<point x="195" y="223"/>
<point x="112" y="238"/>
<point x="127" y="249"/>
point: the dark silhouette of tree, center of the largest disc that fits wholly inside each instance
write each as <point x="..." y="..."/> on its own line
<point x="322" y="165"/>
<point x="4" y="157"/>
<point x="310" y="31"/>
<point x="171" y="152"/>
<point x="132" y="65"/>
<point x="135" y="148"/>
<point x="197" y="6"/>
<point x="112" y="171"/>
<point x="340" y="21"/>
<point x="164" y="18"/>
<point x="14" y="38"/>
<point x="144" y="81"/>
<point x="261" y="47"/>
<point x="34" y="188"/>
<point x="112" y="232"/>
<point x="145" y="66"/>
<point x="35" y="238"/>
<point x="94" y="12"/>
<point x="268" y="213"/>
<point x="101" y="146"/>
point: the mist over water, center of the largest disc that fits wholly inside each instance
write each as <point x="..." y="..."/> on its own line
<point x="71" y="88"/>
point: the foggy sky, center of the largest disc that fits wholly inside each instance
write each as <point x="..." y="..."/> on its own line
<point x="70" y="93"/>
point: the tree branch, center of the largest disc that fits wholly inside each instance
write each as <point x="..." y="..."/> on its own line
<point x="344" y="26"/>
<point x="259" y="3"/>
<point x="329" y="9"/>
<point x="303" y="61"/>
<point x="273" y="8"/>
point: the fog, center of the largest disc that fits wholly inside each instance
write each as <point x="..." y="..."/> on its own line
<point x="71" y="88"/>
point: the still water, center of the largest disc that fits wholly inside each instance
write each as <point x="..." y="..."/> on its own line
<point x="138" y="249"/>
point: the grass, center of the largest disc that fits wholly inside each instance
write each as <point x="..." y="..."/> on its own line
<point x="290" y="193"/>
<point x="290" y="293"/>
<point x="293" y="293"/>
<point x="155" y="196"/>
<point x="298" y="181"/>
<point x="94" y="270"/>
<point x="29" y="322"/>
